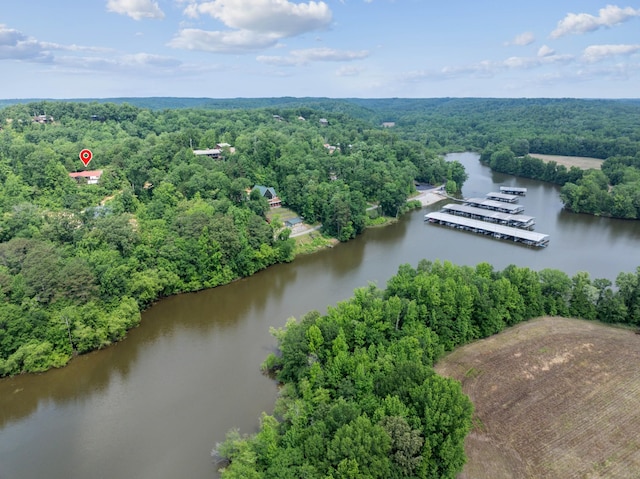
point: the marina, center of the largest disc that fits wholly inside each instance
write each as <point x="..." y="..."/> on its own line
<point x="513" y="190"/>
<point x="516" y="221"/>
<point x="529" y="238"/>
<point x="492" y="205"/>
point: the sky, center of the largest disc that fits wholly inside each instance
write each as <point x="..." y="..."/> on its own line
<point x="330" y="48"/>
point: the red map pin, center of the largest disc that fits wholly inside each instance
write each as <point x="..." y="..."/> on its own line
<point x="85" y="156"/>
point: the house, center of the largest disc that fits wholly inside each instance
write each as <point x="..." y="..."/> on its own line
<point x="43" y="119"/>
<point x="215" y="153"/>
<point x="301" y="118"/>
<point x="323" y="122"/>
<point x="222" y="146"/>
<point x="92" y="177"/>
<point x="331" y="148"/>
<point x="270" y="194"/>
<point x="294" y="223"/>
<point x="388" y="124"/>
<point x="278" y="118"/>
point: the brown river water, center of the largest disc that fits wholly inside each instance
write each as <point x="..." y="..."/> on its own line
<point x="154" y="405"/>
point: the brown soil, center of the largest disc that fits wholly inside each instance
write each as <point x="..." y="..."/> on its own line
<point x="554" y="398"/>
<point x="582" y="162"/>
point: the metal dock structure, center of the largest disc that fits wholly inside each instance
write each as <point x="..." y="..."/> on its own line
<point x="503" y="197"/>
<point x="529" y="238"/>
<point x="513" y="190"/>
<point x="495" y="205"/>
<point x="516" y="221"/>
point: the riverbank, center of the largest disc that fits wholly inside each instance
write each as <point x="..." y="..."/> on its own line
<point x="429" y="197"/>
<point x="312" y="240"/>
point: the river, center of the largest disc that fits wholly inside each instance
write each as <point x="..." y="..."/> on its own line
<point x="154" y="405"/>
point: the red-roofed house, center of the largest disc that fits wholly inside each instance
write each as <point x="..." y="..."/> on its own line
<point x="91" y="176"/>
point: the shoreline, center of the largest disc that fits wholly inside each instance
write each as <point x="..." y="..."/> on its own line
<point x="429" y="197"/>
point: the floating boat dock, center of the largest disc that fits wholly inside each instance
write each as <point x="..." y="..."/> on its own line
<point x="503" y="197"/>
<point x="513" y="190"/>
<point x="516" y="221"/>
<point x="529" y="238"/>
<point x="500" y="206"/>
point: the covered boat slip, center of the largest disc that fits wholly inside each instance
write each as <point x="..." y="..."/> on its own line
<point x="513" y="190"/>
<point x="517" y="221"/>
<point x="529" y="238"/>
<point x="503" y="197"/>
<point x="495" y="205"/>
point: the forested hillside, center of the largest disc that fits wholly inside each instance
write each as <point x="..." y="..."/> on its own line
<point x="359" y="395"/>
<point x="78" y="261"/>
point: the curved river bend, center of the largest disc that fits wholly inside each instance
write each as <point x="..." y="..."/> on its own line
<point x="155" y="404"/>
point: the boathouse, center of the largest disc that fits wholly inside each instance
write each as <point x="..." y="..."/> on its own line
<point x="513" y="190"/>
<point x="529" y="238"/>
<point x="517" y="221"/>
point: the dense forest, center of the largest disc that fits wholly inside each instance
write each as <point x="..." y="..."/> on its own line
<point x="78" y="261"/>
<point x="359" y="396"/>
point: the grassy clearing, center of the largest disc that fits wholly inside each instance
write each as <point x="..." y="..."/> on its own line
<point x="312" y="242"/>
<point x="555" y="398"/>
<point x="582" y="162"/>
<point x="281" y="214"/>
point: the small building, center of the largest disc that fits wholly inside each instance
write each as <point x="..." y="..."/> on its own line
<point x="43" y="119"/>
<point x="270" y="194"/>
<point x="294" y="223"/>
<point x="278" y="118"/>
<point x="323" y="122"/>
<point x="226" y="146"/>
<point x="388" y="124"/>
<point x="331" y="148"/>
<point x="215" y="153"/>
<point x="301" y="118"/>
<point x="91" y="177"/>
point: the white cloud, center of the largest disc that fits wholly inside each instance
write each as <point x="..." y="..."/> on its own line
<point x="14" y="45"/>
<point x="596" y="53"/>
<point x="237" y="41"/>
<point x="269" y="16"/>
<point x="608" y="16"/>
<point x="302" y="57"/>
<point x="486" y="68"/>
<point x="135" y="63"/>
<point x="136" y="9"/>
<point x="545" y="51"/>
<point x="349" y="71"/>
<point x="254" y="24"/>
<point x="523" y="39"/>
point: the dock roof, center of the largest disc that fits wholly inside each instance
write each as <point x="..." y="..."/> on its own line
<point x="491" y="227"/>
<point x="513" y="188"/>
<point x="495" y="215"/>
<point x="503" y="197"/>
<point x="495" y="205"/>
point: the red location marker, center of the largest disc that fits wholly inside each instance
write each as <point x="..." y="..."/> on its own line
<point x="85" y="156"/>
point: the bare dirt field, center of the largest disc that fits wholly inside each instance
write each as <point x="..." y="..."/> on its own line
<point x="554" y="398"/>
<point x="582" y="162"/>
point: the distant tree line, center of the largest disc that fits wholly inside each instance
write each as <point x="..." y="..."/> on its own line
<point x="359" y="396"/>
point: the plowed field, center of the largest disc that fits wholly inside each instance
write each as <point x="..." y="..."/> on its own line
<point x="554" y="398"/>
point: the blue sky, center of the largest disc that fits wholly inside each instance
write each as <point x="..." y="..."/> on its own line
<point x="332" y="48"/>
